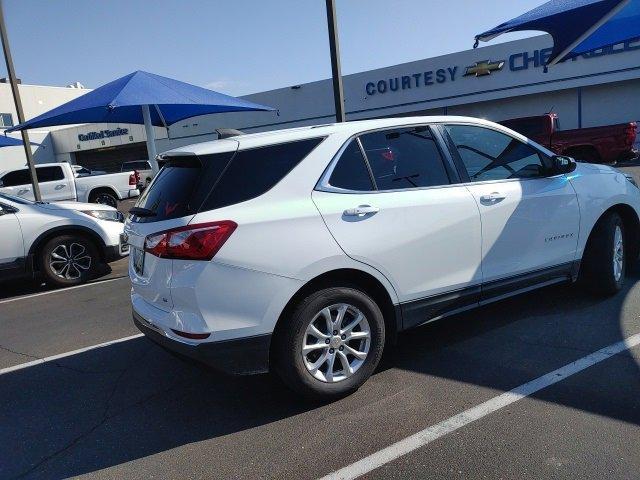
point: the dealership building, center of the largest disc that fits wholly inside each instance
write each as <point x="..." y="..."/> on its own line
<point x="496" y="82"/>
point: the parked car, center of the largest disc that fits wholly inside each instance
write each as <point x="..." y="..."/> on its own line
<point x="307" y="250"/>
<point x="607" y="144"/>
<point x="58" y="182"/>
<point x="63" y="242"/>
<point x="143" y="167"/>
<point x="81" y="171"/>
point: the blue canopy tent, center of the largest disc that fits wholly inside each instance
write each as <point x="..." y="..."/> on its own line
<point x="141" y="98"/>
<point x="577" y="26"/>
<point x="12" y="142"/>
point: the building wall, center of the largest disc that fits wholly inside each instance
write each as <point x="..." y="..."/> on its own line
<point x="599" y="88"/>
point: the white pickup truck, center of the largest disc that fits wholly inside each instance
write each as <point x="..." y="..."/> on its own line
<point x="58" y="182"/>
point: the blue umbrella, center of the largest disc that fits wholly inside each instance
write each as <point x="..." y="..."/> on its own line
<point x="12" y="142"/>
<point x="577" y="26"/>
<point x="141" y="98"/>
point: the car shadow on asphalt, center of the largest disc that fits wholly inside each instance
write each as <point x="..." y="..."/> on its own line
<point x="19" y="287"/>
<point x="131" y="400"/>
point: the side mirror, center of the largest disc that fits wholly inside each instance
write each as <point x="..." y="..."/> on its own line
<point x="563" y="164"/>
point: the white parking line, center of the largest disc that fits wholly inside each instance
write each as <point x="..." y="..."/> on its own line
<point x="66" y="354"/>
<point x="452" y="424"/>
<point x="99" y="282"/>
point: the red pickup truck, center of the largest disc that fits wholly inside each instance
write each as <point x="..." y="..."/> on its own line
<point x="607" y="144"/>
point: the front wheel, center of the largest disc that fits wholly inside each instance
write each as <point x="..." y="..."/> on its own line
<point x="331" y="344"/>
<point x="68" y="260"/>
<point x="603" y="266"/>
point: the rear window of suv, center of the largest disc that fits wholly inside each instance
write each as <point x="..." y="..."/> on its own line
<point x="254" y="171"/>
<point x="187" y="185"/>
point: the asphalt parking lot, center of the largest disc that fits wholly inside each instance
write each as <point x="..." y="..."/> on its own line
<point x="129" y="410"/>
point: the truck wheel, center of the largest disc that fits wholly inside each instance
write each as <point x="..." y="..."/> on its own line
<point x="331" y="344"/>
<point x="105" y="198"/>
<point x="603" y="268"/>
<point x="68" y="260"/>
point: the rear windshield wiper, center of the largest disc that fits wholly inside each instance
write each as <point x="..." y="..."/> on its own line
<point x="142" y="212"/>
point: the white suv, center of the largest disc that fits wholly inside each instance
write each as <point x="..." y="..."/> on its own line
<point x="63" y="242"/>
<point x="305" y="250"/>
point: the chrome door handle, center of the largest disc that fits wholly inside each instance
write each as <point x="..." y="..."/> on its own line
<point x="360" y="211"/>
<point x="492" y="197"/>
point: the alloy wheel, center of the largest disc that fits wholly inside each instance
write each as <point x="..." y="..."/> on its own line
<point x="70" y="260"/>
<point x="618" y="253"/>
<point x="336" y="343"/>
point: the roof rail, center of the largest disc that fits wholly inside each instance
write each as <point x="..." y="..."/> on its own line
<point x="228" y="132"/>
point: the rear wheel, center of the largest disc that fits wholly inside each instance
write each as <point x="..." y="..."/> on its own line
<point x="68" y="260"/>
<point x="104" y="197"/>
<point x="603" y="266"/>
<point x="331" y="344"/>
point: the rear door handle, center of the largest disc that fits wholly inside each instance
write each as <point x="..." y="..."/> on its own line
<point x="492" y="197"/>
<point x="360" y="211"/>
<point x="60" y="187"/>
<point x="23" y="191"/>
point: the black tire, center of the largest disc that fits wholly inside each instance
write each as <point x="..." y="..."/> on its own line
<point x="597" y="270"/>
<point x="287" y="356"/>
<point x="85" y="260"/>
<point x="104" y="197"/>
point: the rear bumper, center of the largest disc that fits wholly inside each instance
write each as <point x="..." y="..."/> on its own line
<point x="243" y="356"/>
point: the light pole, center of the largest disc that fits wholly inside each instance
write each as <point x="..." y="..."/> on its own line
<point x="334" y="47"/>
<point x="16" y="98"/>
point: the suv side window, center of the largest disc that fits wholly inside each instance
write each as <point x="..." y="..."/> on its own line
<point x="254" y="171"/>
<point x="49" y="174"/>
<point x="351" y="171"/>
<point x="404" y="158"/>
<point x="15" y="178"/>
<point x="491" y="155"/>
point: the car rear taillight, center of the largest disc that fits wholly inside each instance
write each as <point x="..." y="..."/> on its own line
<point x="134" y="178"/>
<point x="191" y="242"/>
<point x="630" y="134"/>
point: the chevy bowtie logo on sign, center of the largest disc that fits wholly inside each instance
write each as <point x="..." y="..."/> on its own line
<point x="483" y="68"/>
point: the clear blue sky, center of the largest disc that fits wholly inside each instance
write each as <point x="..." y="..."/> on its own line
<point x="236" y="47"/>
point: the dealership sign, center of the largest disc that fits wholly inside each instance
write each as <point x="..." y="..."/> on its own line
<point x="85" y="137"/>
<point x="514" y="63"/>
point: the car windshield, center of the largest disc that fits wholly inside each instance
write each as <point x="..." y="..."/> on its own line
<point x="12" y="198"/>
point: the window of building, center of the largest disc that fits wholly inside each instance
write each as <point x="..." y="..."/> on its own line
<point x="6" y="120"/>
<point x="491" y="155"/>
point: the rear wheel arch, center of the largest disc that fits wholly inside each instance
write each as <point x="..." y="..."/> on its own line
<point x="348" y="277"/>
<point x="98" y="190"/>
<point x="584" y="152"/>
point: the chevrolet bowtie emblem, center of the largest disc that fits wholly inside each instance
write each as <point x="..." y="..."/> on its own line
<point x="485" y="67"/>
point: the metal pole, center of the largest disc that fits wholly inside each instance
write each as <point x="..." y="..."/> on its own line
<point x="334" y="47"/>
<point x="151" y="139"/>
<point x="16" y="98"/>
